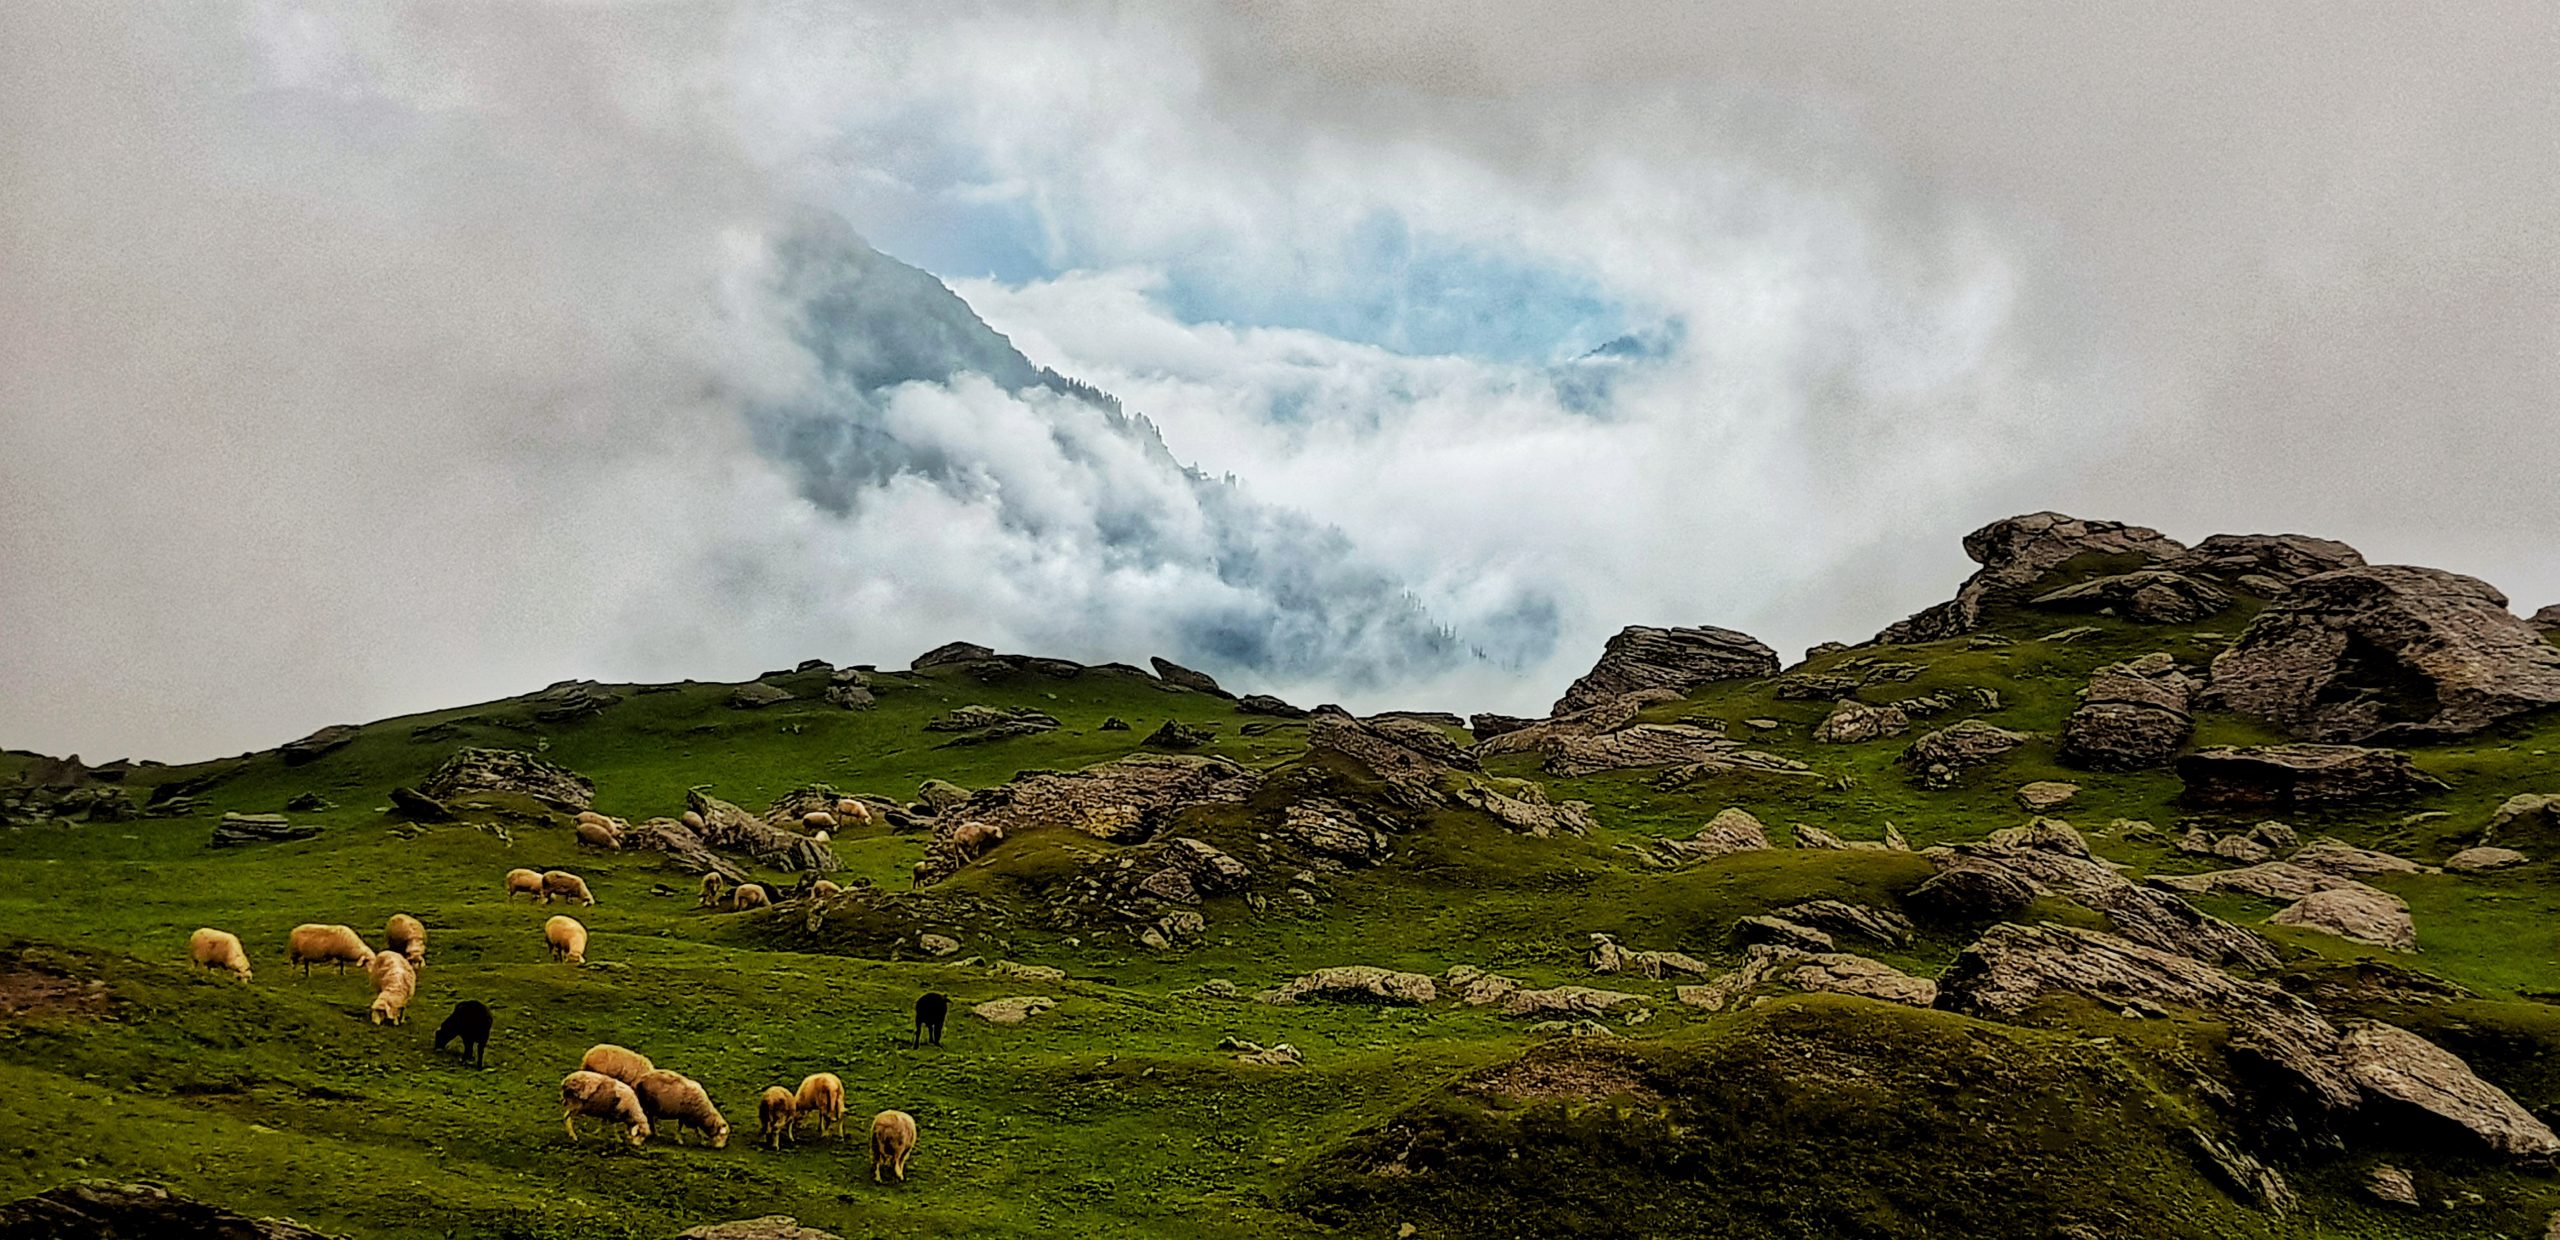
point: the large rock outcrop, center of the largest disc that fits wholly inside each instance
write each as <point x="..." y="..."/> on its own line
<point x="1939" y="758"/>
<point x="2275" y="776"/>
<point x="2387" y="653"/>
<point x="1181" y="677"/>
<point x="106" y="1210"/>
<point x="2147" y="596"/>
<point x="1355" y="983"/>
<point x="509" y="770"/>
<point x="2132" y="717"/>
<point x="731" y="829"/>
<point x="319" y="744"/>
<point x="1127" y="800"/>
<point x="2017" y="552"/>
<point x="2399" y="1069"/>
<point x="2265" y="564"/>
<point x="1676" y="659"/>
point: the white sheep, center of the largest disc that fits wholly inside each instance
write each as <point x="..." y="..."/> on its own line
<point x="393" y="986"/>
<point x="524" y="882"/>
<point x="568" y="939"/>
<point x="602" y="1097"/>
<point x="822" y="1095"/>
<point x="674" y="1097"/>
<point x="619" y="1062"/>
<point x="312" y="943"/>
<point x="408" y="936"/>
<point x="561" y="884"/>
<point x="219" y="949"/>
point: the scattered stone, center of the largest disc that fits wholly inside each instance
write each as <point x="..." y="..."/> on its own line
<point x="1841" y="917"/>
<point x="2399" y="1067"/>
<point x="1811" y="836"/>
<point x="1677" y="659"/>
<point x="1852" y="722"/>
<point x="311" y="748"/>
<point x="1026" y="972"/>
<point x="1265" y="704"/>
<point x="2273" y="776"/>
<point x="2270" y="880"/>
<point x="2244" y="1174"/>
<point x="1781" y="933"/>
<point x="1567" y="1002"/>
<point x="1475" y="987"/>
<point x="1357" y="983"/>
<point x="1176" y="734"/>
<point x="937" y="944"/>
<point x="1816" y="687"/>
<point x="1822" y="972"/>
<point x="2047" y="834"/>
<point x="1762" y="725"/>
<point x="238" y="829"/>
<point x="2336" y="856"/>
<point x="2045" y="795"/>
<point x="2354" y="912"/>
<point x="308" y="803"/>
<point x="1938" y="758"/>
<point x="2524" y="812"/>
<point x="571" y="700"/>
<point x="1115" y="724"/>
<point x="1181" y="677"/>
<point x="1968" y="893"/>
<point x="417" y="806"/>
<point x="107" y="1210"/>
<point x="1012" y="1011"/>
<point x="2389" y="653"/>
<point x="2017" y="552"/>
<point x="2483" y="858"/>
<point x="2390" y="1185"/>
<point x="951" y="652"/>
<point x="1281" y="1055"/>
<point x="1732" y="830"/>
<point x="756" y="695"/>
<point x="1569" y="1029"/>
<point x="2133" y="716"/>
<point x="1607" y="957"/>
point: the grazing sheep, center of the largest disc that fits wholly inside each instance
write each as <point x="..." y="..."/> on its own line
<point x="775" y="1117"/>
<point x="312" y="943"/>
<point x="619" y="1062"/>
<point x="930" y="1012"/>
<point x="823" y="888"/>
<point x="470" y="1022"/>
<point x="893" y="1137"/>
<point x="568" y="939"/>
<point x="973" y="840"/>
<point x="595" y="1094"/>
<point x="749" y="895"/>
<point x="526" y="882"/>
<point x="852" y="813"/>
<point x="561" y="884"/>
<point x="672" y="1096"/>
<point x="821" y="837"/>
<point x="691" y="820"/>
<point x="406" y="935"/>
<point x="219" y="949"/>
<point x="711" y="884"/>
<point x="822" y="1095"/>
<point x="817" y="820"/>
<point x="599" y="835"/>
<point x="393" y="986"/>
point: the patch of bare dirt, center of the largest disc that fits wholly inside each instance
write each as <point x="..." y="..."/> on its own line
<point x="1572" y="1070"/>
<point x="33" y="990"/>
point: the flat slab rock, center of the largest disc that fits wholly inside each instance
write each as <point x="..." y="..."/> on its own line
<point x="1012" y="1011"/>
<point x="2398" y="1066"/>
<point x="2475" y="860"/>
<point x="106" y="1210"/>
<point x="770" y="1227"/>
<point x="2355" y="912"/>
<point x="2017" y="552"/>
<point x="1678" y="659"/>
<point x="1821" y="972"/>
<point x="1356" y="983"/>
<point x="2274" y="776"/>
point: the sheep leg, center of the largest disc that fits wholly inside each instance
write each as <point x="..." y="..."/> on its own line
<point x="569" y="1120"/>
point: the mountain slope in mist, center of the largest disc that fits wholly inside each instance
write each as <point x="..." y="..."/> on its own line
<point x="906" y="387"/>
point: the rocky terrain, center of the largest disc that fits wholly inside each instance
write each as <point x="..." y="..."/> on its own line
<point x="2140" y="889"/>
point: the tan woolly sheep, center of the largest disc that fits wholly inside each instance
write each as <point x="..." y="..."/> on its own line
<point x="312" y="943"/>
<point x="821" y="837"/>
<point x="711" y="884"/>
<point x="602" y="1097"/>
<point x="563" y="885"/>
<point x="749" y="895"/>
<point x="408" y="936"/>
<point x="219" y="949"/>
<point x="568" y="939"/>
<point x="619" y="1062"/>
<point x="599" y="835"/>
<point x="524" y="882"/>
<point x="672" y="1097"/>
<point x="893" y="1137"/>
<point x="823" y="888"/>
<point x="393" y="986"/>
<point x="775" y="1117"/>
<point x="972" y="839"/>
<point x="817" y="820"/>
<point x="691" y="820"/>
<point x="822" y="1095"/>
<point x="852" y="813"/>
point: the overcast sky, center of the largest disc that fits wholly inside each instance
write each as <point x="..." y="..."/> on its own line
<point x="364" y="359"/>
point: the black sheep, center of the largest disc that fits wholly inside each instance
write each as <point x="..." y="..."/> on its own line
<point x="929" y="1013"/>
<point x="470" y="1022"/>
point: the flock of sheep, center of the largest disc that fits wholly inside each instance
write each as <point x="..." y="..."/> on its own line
<point x="613" y="1084"/>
